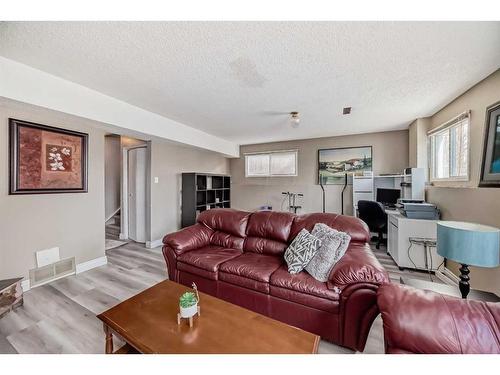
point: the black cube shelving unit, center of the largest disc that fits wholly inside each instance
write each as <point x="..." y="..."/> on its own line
<point x="203" y="191"/>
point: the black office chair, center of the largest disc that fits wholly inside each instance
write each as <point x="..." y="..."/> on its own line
<point x="373" y="214"/>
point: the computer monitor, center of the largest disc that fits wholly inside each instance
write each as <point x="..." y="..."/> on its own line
<point x="388" y="196"/>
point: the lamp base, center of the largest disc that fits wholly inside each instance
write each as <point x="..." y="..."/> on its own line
<point x="463" y="284"/>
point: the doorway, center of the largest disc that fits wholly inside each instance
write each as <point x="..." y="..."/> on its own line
<point x="136" y="194"/>
<point x="136" y="190"/>
<point x="127" y="192"/>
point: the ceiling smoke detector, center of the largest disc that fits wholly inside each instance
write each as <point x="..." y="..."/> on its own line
<point x="346" y="110"/>
<point x="294" y="119"/>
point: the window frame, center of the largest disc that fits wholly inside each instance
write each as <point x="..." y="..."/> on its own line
<point x="446" y="127"/>
<point x="269" y="154"/>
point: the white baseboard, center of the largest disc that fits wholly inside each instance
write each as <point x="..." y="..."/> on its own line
<point x="80" y="267"/>
<point x="153" y="244"/>
<point x="93" y="263"/>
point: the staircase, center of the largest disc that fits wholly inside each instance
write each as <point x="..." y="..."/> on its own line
<point x="113" y="227"/>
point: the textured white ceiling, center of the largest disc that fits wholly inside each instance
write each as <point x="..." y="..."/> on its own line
<point x="237" y="80"/>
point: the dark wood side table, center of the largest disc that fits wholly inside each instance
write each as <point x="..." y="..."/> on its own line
<point x="477" y="295"/>
<point x="11" y="295"/>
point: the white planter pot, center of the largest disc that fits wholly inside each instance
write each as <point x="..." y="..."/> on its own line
<point x="187" y="312"/>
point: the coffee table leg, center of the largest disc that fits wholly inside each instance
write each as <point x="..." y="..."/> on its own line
<point x="109" y="340"/>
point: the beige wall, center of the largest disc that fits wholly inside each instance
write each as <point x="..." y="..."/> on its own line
<point x="476" y="100"/>
<point x="417" y="132"/>
<point x="465" y="201"/>
<point x="390" y="155"/>
<point x="168" y="161"/>
<point x="112" y="173"/>
<point x="73" y="222"/>
<point x="412" y="144"/>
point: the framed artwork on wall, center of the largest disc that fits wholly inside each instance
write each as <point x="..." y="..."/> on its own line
<point x="334" y="163"/>
<point x="490" y="171"/>
<point x="45" y="159"/>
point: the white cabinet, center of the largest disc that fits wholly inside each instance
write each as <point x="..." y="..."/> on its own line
<point x="362" y="190"/>
<point x="411" y="255"/>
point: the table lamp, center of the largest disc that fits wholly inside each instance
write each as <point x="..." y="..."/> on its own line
<point x="470" y="245"/>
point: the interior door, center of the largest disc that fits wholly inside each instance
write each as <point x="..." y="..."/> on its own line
<point x="137" y="194"/>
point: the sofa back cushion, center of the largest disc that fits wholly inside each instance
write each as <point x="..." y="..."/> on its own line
<point x="227" y="240"/>
<point x="225" y="220"/>
<point x="268" y="232"/>
<point x="354" y="227"/>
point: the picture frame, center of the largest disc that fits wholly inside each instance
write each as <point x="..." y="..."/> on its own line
<point x="490" y="168"/>
<point x="46" y="160"/>
<point x="335" y="163"/>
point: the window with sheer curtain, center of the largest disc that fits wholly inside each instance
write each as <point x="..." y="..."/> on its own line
<point x="269" y="164"/>
<point x="449" y="150"/>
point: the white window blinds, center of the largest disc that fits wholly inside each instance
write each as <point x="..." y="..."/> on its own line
<point x="449" y="150"/>
<point x="276" y="163"/>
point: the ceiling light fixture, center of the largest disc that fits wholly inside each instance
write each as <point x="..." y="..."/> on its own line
<point x="294" y="119"/>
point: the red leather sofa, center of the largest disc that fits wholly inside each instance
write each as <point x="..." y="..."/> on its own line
<point x="238" y="256"/>
<point x="421" y="321"/>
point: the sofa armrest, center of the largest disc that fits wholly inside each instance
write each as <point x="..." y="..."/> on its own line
<point x="189" y="238"/>
<point x="358" y="265"/>
<point x="421" y="321"/>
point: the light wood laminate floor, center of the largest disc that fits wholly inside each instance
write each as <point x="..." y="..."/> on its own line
<point x="60" y="317"/>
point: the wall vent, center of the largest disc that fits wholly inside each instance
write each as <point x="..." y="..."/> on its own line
<point x="51" y="272"/>
<point x="346" y="110"/>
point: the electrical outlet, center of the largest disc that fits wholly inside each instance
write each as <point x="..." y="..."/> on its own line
<point x="156" y="180"/>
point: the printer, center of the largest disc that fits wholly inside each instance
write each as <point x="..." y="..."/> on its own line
<point x="415" y="209"/>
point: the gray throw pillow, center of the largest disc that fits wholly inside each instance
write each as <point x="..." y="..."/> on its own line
<point x="333" y="246"/>
<point x="301" y="251"/>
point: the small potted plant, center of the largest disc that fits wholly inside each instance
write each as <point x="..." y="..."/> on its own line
<point x="188" y="304"/>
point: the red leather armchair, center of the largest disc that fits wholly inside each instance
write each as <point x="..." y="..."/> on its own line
<point x="238" y="256"/>
<point x="421" y="321"/>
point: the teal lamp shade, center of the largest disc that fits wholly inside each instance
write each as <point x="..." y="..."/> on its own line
<point x="468" y="243"/>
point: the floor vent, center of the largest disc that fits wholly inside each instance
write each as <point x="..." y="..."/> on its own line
<point x="51" y="272"/>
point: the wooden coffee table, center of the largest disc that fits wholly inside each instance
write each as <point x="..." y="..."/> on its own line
<point x="147" y="322"/>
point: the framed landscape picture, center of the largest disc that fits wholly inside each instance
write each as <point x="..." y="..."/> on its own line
<point x="490" y="171"/>
<point x="45" y="159"/>
<point x="335" y="163"/>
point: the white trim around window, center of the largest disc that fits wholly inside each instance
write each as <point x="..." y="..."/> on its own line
<point x="283" y="163"/>
<point x="449" y="150"/>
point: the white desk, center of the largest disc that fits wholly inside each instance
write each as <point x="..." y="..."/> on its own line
<point x="407" y="255"/>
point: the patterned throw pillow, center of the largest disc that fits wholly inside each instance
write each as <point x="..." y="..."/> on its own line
<point x="333" y="246"/>
<point x="301" y="251"/>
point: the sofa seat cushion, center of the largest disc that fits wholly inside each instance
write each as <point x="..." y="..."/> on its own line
<point x="207" y="258"/>
<point x="250" y="270"/>
<point x="304" y="289"/>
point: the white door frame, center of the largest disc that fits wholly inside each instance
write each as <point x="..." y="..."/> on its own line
<point x="124" y="228"/>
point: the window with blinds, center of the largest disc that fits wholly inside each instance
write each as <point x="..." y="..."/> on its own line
<point x="269" y="164"/>
<point x="449" y="150"/>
